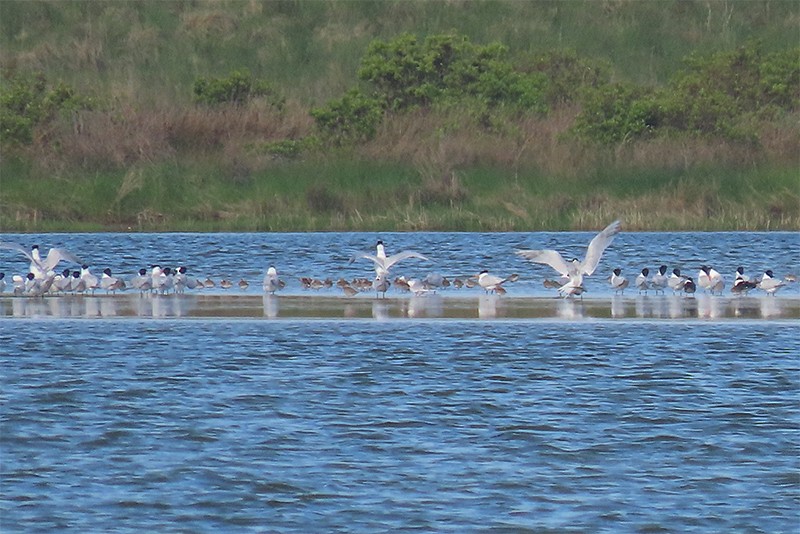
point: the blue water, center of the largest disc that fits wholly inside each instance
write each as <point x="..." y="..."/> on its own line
<point x="326" y="255"/>
<point x="219" y="425"/>
<point x="213" y="426"/>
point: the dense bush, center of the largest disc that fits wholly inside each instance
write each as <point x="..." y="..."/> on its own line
<point x="353" y="117"/>
<point x="618" y="112"/>
<point x="443" y="70"/>
<point x="407" y="73"/>
<point x="714" y="96"/>
<point x="27" y="102"/>
<point x="568" y="75"/>
<point x="238" y="88"/>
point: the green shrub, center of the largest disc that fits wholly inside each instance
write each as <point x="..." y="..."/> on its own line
<point x="568" y="75"/>
<point x="284" y="149"/>
<point x="405" y="73"/>
<point x="27" y="102"/>
<point x="618" y="112"/>
<point x="714" y="96"/>
<point x="353" y="117"/>
<point x="238" y="88"/>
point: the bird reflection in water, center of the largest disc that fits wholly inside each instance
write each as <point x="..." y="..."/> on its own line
<point x="770" y="307"/>
<point x="429" y="305"/>
<point x="710" y="307"/>
<point x="271" y="306"/>
<point x="617" y="306"/>
<point x="380" y="310"/>
<point x="487" y="306"/>
<point x="570" y="309"/>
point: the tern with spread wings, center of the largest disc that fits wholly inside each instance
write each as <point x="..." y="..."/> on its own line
<point x="576" y="269"/>
<point x="40" y="267"/>
<point x="382" y="262"/>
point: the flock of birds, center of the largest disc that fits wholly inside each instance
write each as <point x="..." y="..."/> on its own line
<point x="43" y="279"/>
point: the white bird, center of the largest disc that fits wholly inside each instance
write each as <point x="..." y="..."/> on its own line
<point x="709" y="279"/>
<point x="659" y="280"/>
<point x="110" y="283"/>
<point x="161" y="280"/>
<point x="418" y="287"/>
<point x="19" y="284"/>
<point x="141" y="281"/>
<point x="489" y="282"/>
<point x="769" y="283"/>
<point x="618" y="282"/>
<point x="576" y="269"/>
<point x="91" y="281"/>
<point x="271" y="281"/>
<point x="61" y="283"/>
<point x="182" y="281"/>
<point x="676" y="281"/>
<point x="2" y="282"/>
<point x="570" y="290"/>
<point x="78" y="284"/>
<point x="382" y="262"/>
<point x="642" y="281"/>
<point x="40" y="267"/>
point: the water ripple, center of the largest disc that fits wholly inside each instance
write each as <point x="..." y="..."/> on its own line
<point x="363" y="426"/>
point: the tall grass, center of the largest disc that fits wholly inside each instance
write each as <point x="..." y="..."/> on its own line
<point x="149" y="159"/>
<point x="311" y="49"/>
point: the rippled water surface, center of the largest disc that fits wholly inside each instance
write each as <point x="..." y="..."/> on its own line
<point x="326" y="255"/>
<point x="580" y="422"/>
<point x="129" y="425"/>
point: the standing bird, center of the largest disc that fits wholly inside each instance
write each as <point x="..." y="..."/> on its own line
<point x="110" y="283"/>
<point x="489" y="282"/>
<point x="576" y="269"/>
<point x="659" y="280"/>
<point x="91" y="281"/>
<point x="769" y="283"/>
<point x="709" y="279"/>
<point x="743" y="287"/>
<point x="141" y="281"/>
<point x="618" y="282"/>
<point x="642" y="281"/>
<point x="271" y="281"/>
<point x="381" y="283"/>
<point x="676" y="281"/>
<point x="689" y="286"/>
<point x="2" y="282"/>
<point x="740" y="276"/>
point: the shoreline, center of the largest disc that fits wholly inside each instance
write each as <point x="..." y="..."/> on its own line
<point x="431" y="306"/>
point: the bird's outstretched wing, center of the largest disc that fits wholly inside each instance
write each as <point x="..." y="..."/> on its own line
<point x="597" y="246"/>
<point x="546" y="257"/>
<point x="55" y="255"/>
<point x="365" y="255"/>
<point x="16" y="246"/>
<point x="394" y="258"/>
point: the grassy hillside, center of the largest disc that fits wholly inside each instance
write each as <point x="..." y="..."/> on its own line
<point x="146" y="156"/>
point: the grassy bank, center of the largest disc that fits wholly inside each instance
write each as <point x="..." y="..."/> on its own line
<point x="146" y="157"/>
<point x="364" y="195"/>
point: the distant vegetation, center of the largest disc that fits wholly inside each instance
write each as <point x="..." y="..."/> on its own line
<point x="473" y="115"/>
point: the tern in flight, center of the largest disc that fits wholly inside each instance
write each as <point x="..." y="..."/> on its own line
<point x="383" y="262"/>
<point x="40" y="267"/>
<point x="576" y="269"/>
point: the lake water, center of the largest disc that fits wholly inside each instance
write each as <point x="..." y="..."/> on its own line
<point x="143" y="422"/>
